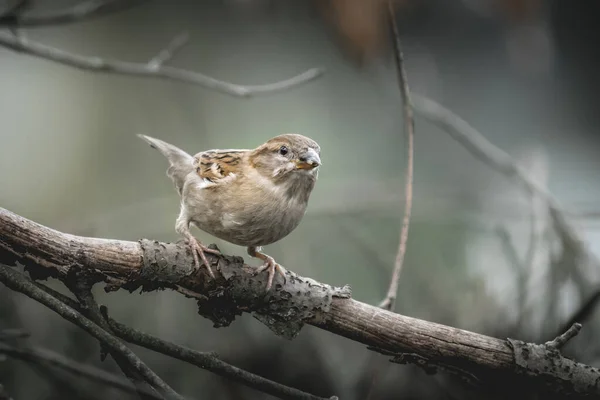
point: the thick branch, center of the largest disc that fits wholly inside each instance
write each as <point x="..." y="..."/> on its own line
<point x="209" y="361"/>
<point x="284" y="309"/>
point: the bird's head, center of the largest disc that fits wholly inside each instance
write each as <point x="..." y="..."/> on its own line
<point x="287" y="158"/>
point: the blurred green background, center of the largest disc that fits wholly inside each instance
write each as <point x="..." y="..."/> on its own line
<point x="69" y="159"/>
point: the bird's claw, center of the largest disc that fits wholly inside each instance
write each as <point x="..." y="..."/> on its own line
<point x="271" y="266"/>
<point x="198" y="249"/>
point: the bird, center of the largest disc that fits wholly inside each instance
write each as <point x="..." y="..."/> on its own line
<point x="247" y="197"/>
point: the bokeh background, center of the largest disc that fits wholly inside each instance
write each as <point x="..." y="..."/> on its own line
<point x="523" y="72"/>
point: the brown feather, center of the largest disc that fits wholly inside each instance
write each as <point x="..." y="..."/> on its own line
<point x="215" y="165"/>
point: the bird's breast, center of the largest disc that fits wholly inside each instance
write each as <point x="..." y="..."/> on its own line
<point x="248" y="214"/>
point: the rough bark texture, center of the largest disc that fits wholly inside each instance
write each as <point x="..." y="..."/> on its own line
<point x="153" y="265"/>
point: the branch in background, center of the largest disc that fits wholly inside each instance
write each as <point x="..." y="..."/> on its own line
<point x="573" y="246"/>
<point x="496" y="158"/>
<point x="10" y="14"/>
<point x="44" y="357"/>
<point x="208" y="361"/>
<point x="520" y="268"/>
<point x="148" y="70"/>
<point x="169" y="52"/>
<point x="4" y="394"/>
<point x="89" y="307"/>
<point x="374" y="371"/>
<point x="409" y="126"/>
<point x="14" y="17"/>
<point x="12" y="334"/>
<point x="583" y="313"/>
<point x="79" y="12"/>
<point x="298" y="300"/>
<point x="15" y="281"/>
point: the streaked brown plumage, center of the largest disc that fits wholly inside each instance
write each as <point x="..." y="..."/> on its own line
<point x="250" y="198"/>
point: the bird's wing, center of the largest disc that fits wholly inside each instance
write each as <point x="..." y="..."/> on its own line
<point x="218" y="167"/>
<point x="180" y="162"/>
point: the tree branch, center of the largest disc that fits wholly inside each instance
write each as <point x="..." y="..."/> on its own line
<point x="496" y="158"/>
<point x="389" y="302"/>
<point x="79" y="12"/>
<point x="169" y="52"/>
<point x="154" y="265"/>
<point x="44" y="357"/>
<point x="562" y="339"/>
<point x="20" y="44"/>
<point x="89" y="307"/>
<point x="15" y="281"/>
<point x="4" y="394"/>
<point x="583" y="313"/>
<point x="474" y="142"/>
<point x="208" y="361"/>
<point x="11" y="13"/>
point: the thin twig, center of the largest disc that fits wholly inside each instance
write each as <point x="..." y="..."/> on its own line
<point x="409" y="126"/>
<point x="207" y="361"/>
<point x="583" y="313"/>
<point x="83" y="291"/>
<point x="169" y="51"/>
<point x="19" y="283"/>
<point x="11" y="334"/>
<point x="39" y="356"/>
<point x="498" y="159"/>
<point x="4" y="394"/>
<point x="561" y="340"/>
<point x="97" y="64"/>
<point x="485" y="151"/>
<point x="77" y="13"/>
<point x="11" y="14"/>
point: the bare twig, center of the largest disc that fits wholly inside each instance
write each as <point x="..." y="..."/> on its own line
<point x="207" y="361"/>
<point x="10" y="15"/>
<point x="11" y="334"/>
<point x="169" y="52"/>
<point x="496" y="158"/>
<point x="561" y="340"/>
<point x="83" y="291"/>
<point x="502" y="162"/>
<point x="582" y="314"/>
<point x="45" y="357"/>
<point x="519" y="266"/>
<point x="17" y="282"/>
<point x="4" y="394"/>
<point x="409" y="125"/>
<point x="97" y="64"/>
<point x="79" y="12"/>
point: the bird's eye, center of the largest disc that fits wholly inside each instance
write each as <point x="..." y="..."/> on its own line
<point x="283" y="150"/>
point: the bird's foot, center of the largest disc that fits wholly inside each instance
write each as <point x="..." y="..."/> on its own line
<point x="198" y="250"/>
<point x="271" y="266"/>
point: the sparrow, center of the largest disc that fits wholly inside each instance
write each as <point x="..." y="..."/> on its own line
<point x="248" y="197"/>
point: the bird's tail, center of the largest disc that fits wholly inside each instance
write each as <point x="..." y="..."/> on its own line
<point x="180" y="162"/>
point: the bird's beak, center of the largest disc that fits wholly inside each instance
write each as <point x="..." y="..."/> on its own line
<point x="309" y="160"/>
